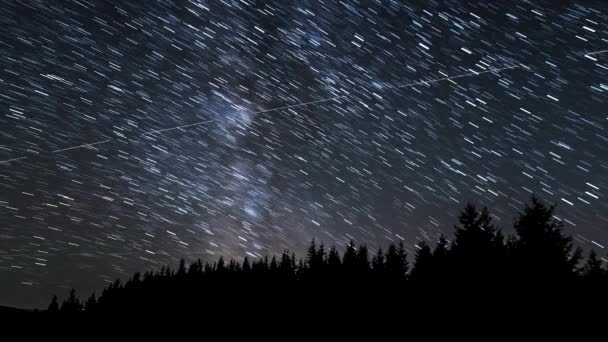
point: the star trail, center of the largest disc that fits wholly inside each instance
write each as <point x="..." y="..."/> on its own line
<point x="135" y="133"/>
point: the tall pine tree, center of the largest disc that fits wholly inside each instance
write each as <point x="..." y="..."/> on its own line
<point x="542" y="251"/>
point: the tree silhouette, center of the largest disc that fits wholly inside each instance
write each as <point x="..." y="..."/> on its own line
<point x="333" y="260"/>
<point x="220" y="265"/>
<point x="287" y="266"/>
<point x="311" y="255"/>
<point x="477" y="256"/>
<point x="542" y="250"/>
<point x="378" y="264"/>
<point x="246" y="267"/>
<point x="181" y="269"/>
<point x="54" y="306"/>
<point x="90" y="304"/>
<point x="441" y="250"/>
<point x="274" y="265"/>
<point x="362" y="260"/>
<point x="441" y="259"/>
<point x="321" y="257"/>
<point x="349" y="259"/>
<point x="423" y="263"/>
<point x="477" y="245"/>
<point x="72" y="304"/>
<point x="396" y="262"/>
<point x="594" y="269"/>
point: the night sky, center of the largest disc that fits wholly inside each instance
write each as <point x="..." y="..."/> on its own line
<point x="134" y="133"/>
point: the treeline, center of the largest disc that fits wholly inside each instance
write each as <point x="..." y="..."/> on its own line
<point x="480" y="257"/>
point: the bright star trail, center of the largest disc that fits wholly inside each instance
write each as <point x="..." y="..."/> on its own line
<point x="135" y="133"/>
<point x="286" y="107"/>
<point x="81" y="146"/>
<point x="596" y="53"/>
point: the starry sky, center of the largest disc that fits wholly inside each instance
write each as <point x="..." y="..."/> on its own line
<point x="134" y="133"/>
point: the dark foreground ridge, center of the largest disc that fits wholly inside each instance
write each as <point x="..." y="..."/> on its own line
<point x="538" y="267"/>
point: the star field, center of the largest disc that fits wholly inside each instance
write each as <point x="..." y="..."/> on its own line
<point x="134" y="133"/>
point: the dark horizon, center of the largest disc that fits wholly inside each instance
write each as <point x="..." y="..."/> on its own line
<point x="480" y="253"/>
<point x="531" y="266"/>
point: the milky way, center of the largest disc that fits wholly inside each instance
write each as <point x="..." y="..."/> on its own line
<point x="134" y="133"/>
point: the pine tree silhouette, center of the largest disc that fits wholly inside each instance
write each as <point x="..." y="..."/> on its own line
<point x="477" y="246"/>
<point x="287" y="266"/>
<point x="396" y="262"/>
<point x="402" y="258"/>
<point x="311" y="256"/>
<point x="349" y="260"/>
<point x="423" y="263"/>
<point x="379" y="263"/>
<point x="321" y="258"/>
<point x="274" y="266"/>
<point x="362" y="261"/>
<point x="181" y="269"/>
<point x="220" y="266"/>
<point x="333" y="260"/>
<point x="246" y="265"/>
<point x="442" y="268"/>
<point x="593" y="270"/>
<point x="441" y="250"/>
<point x="72" y="304"/>
<point x="90" y="304"/>
<point x="54" y="306"/>
<point x="542" y="251"/>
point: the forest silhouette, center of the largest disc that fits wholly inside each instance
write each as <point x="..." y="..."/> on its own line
<point x="480" y="264"/>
